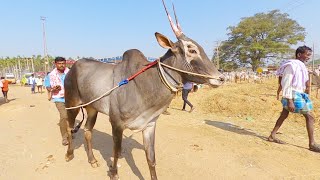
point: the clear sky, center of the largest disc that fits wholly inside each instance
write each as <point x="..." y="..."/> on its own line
<point x="107" y="28"/>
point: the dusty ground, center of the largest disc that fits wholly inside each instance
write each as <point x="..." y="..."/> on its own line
<point x="224" y="138"/>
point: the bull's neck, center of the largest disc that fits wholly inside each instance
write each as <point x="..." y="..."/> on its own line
<point x="171" y="79"/>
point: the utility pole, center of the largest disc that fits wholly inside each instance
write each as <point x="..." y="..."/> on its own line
<point x="313" y="56"/>
<point x="32" y="66"/>
<point x="313" y="52"/>
<point x="43" y="19"/>
<point x="217" y="56"/>
<point x="19" y="64"/>
<point x="26" y="59"/>
<point x="310" y="79"/>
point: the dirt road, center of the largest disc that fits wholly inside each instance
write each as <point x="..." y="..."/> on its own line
<point x="197" y="145"/>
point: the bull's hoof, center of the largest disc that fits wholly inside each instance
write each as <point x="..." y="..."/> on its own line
<point x="113" y="173"/>
<point x="114" y="177"/>
<point x="69" y="157"/>
<point x="95" y="164"/>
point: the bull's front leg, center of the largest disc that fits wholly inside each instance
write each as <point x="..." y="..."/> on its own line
<point x="117" y="133"/>
<point x="148" y="142"/>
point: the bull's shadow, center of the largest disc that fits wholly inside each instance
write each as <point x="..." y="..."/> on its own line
<point x="103" y="142"/>
<point x="234" y="128"/>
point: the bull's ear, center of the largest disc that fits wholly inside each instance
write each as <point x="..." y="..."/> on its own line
<point x="164" y="41"/>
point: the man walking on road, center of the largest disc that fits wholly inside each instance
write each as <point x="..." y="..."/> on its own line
<point x="295" y="89"/>
<point x="56" y="87"/>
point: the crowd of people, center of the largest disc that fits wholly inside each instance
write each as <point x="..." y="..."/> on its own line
<point x="36" y="82"/>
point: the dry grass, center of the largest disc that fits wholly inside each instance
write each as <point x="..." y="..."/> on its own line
<point x="245" y="101"/>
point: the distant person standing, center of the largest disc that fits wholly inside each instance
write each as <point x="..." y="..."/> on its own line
<point x="32" y="82"/>
<point x="317" y="70"/>
<point x="5" y="88"/>
<point x="23" y="81"/>
<point x="56" y="78"/>
<point x="187" y="86"/>
<point x="39" y="82"/>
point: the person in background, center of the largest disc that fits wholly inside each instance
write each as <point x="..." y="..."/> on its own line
<point x="187" y="86"/>
<point x="32" y="82"/>
<point x="23" y="81"/>
<point x="295" y="88"/>
<point x="5" y="88"/>
<point x="39" y="82"/>
<point x="56" y="78"/>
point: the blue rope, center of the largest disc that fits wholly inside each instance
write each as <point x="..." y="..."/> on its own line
<point x="123" y="82"/>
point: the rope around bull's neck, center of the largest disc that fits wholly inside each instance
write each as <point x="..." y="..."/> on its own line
<point x="163" y="79"/>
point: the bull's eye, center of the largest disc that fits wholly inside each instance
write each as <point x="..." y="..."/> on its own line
<point x="192" y="51"/>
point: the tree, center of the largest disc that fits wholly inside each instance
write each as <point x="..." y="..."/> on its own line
<point x="11" y="65"/>
<point x="260" y="37"/>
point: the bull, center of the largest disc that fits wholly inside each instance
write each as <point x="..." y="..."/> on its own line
<point x="138" y="104"/>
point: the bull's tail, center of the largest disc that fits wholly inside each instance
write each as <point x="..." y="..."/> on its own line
<point x="77" y="127"/>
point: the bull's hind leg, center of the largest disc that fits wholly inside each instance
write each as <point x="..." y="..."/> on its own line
<point x="91" y="120"/>
<point x="117" y="132"/>
<point x="72" y="114"/>
<point x="148" y="142"/>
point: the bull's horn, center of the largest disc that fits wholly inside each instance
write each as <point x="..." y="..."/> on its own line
<point x="177" y="30"/>
<point x="175" y="16"/>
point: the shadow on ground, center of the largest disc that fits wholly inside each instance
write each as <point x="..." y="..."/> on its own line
<point x="233" y="128"/>
<point x="2" y="101"/>
<point x="103" y="142"/>
<point x="240" y="130"/>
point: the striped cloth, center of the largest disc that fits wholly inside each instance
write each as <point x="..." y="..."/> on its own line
<point x="301" y="102"/>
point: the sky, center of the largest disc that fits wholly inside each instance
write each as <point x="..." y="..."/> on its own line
<point x="107" y="28"/>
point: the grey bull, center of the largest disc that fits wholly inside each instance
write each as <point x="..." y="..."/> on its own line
<point x="138" y="104"/>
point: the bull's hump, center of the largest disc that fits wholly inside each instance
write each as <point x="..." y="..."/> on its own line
<point x="134" y="54"/>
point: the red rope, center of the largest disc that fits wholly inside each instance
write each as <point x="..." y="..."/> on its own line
<point x="142" y="70"/>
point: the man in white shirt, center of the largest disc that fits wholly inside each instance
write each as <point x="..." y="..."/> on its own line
<point x="295" y="89"/>
<point x="32" y="82"/>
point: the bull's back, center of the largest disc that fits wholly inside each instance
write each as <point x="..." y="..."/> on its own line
<point x="87" y="80"/>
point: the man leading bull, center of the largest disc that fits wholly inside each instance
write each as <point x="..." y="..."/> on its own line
<point x="56" y="87"/>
